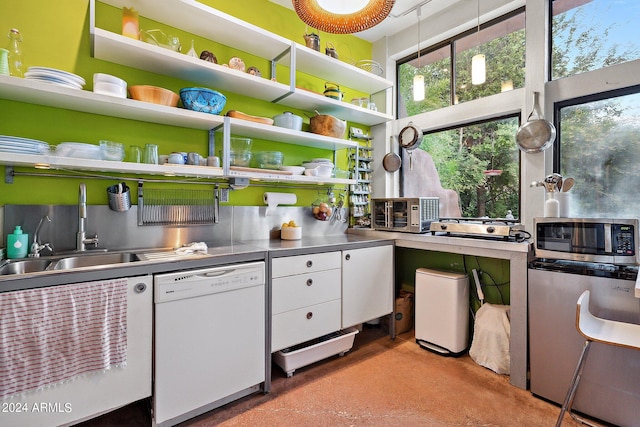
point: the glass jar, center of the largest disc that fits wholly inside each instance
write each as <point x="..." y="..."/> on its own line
<point x="130" y="25"/>
<point x="15" y="53"/>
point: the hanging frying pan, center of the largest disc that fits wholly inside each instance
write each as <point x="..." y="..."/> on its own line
<point x="537" y="134"/>
<point x="410" y="138"/>
<point x="391" y="161"/>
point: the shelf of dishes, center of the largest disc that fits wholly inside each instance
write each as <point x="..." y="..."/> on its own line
<point x="40" y="93"/>
<point x="46" y="161"/>
<point x="196" y="18"/>
<point x="122" y="50"/>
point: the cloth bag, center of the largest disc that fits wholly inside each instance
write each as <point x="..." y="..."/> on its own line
<point x="491" y="334"/>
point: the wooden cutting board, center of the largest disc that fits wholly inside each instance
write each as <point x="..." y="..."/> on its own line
<point x="243" y="116"/>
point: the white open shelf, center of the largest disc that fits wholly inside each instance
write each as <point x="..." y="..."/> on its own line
<point x="35" y="92"/>
<point x="122" y="50"/>
<point x="197" y="18"/>
<point x="210" y="23"/>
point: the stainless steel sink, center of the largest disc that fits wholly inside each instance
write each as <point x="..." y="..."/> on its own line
<point x="34" y="265"/>
<point x="22" y="266"/>
<point x="94" y="260"/>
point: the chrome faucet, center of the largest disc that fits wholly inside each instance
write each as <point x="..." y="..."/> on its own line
<point x="36" y="246"/>
<point x="81" y="239"/>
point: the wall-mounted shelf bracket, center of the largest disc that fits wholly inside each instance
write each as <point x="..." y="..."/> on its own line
<point x="8" y="174"/>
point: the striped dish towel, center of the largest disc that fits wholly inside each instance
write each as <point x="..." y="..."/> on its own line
<point x="51" y="335"/>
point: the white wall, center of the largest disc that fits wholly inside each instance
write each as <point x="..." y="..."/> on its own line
<point x="461" y="17"/>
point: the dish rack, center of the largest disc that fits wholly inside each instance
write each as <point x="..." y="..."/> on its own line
<point x="161" y="206"/>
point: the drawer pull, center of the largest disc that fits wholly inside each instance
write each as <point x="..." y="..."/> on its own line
<point x="309" y="282"/>
<point x="309" y="315"/>
<point x="309" y="264"/>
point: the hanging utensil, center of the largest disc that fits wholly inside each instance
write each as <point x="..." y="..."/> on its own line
<point x="410" y="138"/>
<point x="391" y="162"/>
<point x="568" y="184"/>
<point x="537" y="134"/>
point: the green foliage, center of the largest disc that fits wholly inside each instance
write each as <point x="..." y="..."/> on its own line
<point x="598" y="148"/>
<point x="463" y="155"/>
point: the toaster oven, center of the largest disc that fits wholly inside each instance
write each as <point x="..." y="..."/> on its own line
<point x="408" y="214"/>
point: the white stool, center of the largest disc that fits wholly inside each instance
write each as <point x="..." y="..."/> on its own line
<point x="593" y="328"/>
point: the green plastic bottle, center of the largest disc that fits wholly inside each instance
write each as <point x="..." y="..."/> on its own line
<point x="17" y="243"/>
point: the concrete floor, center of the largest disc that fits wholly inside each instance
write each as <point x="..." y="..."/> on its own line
<point x="379" y="382"/>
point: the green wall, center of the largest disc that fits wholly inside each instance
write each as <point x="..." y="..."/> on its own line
<point x="56" y="34"/>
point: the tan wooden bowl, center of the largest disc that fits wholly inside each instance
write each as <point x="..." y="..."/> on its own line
<point x="154" y="95"/>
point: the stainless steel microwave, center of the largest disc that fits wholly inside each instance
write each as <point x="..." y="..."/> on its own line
<point x="613" y="241"/>
<point x="409" y="214"/>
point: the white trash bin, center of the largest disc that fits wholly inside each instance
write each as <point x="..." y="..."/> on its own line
<point x="442" y="311"/>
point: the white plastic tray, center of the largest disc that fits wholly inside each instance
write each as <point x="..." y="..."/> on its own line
<point x="337" y="343"/>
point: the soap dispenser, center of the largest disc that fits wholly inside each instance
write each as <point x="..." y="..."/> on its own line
<point x="17" y="243"/>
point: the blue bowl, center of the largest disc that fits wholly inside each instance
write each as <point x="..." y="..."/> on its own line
<point x="202" y="99"/>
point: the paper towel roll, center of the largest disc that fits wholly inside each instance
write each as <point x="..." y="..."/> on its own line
<point x="275" y="199"/>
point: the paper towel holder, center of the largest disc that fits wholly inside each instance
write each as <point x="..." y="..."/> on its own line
<point x="275" y="199"/>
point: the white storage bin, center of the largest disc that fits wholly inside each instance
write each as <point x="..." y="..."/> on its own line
<point x="305" y="354"/>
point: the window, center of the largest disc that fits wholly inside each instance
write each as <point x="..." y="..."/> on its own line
<point x="481" y="163"/>
<point x="502" y="41"/>
<point x="592" y="34"/>
<point x="600" y="148"/>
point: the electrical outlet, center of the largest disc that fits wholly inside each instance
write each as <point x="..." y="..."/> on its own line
<point x="224" y="195"/>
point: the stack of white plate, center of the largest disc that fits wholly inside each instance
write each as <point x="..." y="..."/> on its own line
<point x="14" y="144"/>
<point x="53" y="76"/>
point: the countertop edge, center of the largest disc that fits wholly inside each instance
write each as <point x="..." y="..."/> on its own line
<point x="427" y="240"/>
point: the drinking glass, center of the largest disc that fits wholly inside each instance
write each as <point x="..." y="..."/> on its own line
<point x="135" y="154"/>
<point x="150" y="154"/>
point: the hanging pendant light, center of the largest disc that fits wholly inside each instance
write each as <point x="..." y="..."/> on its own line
<point x="478" y="65"/>
<point x="418" y="80"/>
<point x="342" y="16"/>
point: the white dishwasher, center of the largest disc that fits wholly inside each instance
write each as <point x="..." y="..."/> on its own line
<point x="209" y="346"/>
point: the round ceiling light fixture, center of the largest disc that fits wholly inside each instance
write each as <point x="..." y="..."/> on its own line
<point x="342" y="16"/>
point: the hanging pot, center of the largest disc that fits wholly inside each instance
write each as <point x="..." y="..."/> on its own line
<point x="410" y="138"/>
<point x="537" y="134"/>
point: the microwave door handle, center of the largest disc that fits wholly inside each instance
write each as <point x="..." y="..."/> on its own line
<point x="607" y="239"/>
<point x="388" y="216"/>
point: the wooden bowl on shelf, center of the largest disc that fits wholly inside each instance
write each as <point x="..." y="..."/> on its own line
<point x="154" y="95"/>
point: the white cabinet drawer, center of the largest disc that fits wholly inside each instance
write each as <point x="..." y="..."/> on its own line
<point x="299" y="264"/>
<point x="297" y="326"/>
<point x="293" y="292"/>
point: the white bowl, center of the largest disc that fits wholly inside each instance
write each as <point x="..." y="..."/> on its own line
<point x="322" y="169"/>
<point x="296" y="170"/>
<point x="108" y="78"/>
<point x="291" y="233"/>
<point x="105" y="88"/>
<point x="311" y="172"/>
<point x="321" y="160"/>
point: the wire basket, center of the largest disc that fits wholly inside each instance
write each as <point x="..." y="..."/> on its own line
<point x="370" y="66"/>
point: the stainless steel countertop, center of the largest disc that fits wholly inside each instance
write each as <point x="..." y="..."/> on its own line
<point x="218" y="254"/>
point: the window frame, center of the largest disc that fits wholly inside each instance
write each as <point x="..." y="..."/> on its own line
<point x="584" y="99"/>
<point x="451" y="41"/>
